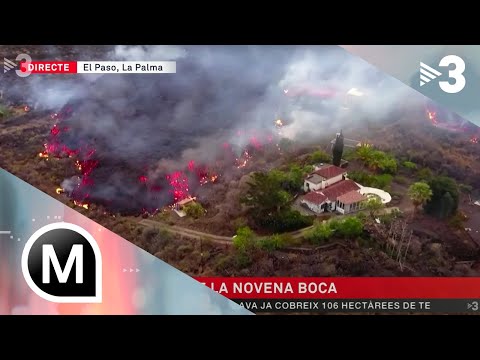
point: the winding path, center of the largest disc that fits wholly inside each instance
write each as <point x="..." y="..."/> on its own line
<point x="227" y="240"/>
<point x="198" y="234"/>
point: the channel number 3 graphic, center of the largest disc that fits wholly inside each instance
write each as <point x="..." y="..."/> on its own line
<point x="456" y="81"/>
<point x="473" y="305"/>
<point x="456" y="74"/>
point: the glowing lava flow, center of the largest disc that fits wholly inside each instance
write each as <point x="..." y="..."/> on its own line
<point x="43" y="154"/>
<point x="179" y="183"/>
<point x="208" y="179"/>
<point x="455" y="124"/>
<point x="80" y="204"/>
<point x="203" y="174"/>
<point x="54" y="147"/>
<point x="84" y="163"/>
<point x="438" y="121"/>
<point x="243" y="160"/>
<point x="432" y="117"/>
<point x="80" y="187"/>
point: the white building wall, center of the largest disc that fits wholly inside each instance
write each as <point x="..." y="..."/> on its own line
<point x="342" y="208"/>
<point x="322" y="185"/>
<point x="314" y="207"/>
<point x="311" y="186"/>
<point x="347" y="208"/>
<point x="333" y="180"/>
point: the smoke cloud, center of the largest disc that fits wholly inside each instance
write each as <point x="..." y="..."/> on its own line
<point x="153" y="124"/>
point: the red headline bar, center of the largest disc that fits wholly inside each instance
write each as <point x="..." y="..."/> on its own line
<point x="345" y="288"/>
<point x="49" y="67"/>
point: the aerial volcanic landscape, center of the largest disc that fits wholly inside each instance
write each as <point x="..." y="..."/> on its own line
<point x="138" y="143"/>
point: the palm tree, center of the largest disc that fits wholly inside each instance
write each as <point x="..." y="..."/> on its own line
<point x="364" y="153"/>
<point x="375" y="161"/>
<point x="374" y="205"/>
<point x="420" y="193"/>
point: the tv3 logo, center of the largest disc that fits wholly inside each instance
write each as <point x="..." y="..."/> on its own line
<point x="21" y="58"/>
<point x="428" y="74"/>
<point x="62" y="263"/>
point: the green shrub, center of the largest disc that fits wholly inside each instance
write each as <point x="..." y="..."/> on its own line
<point x="467" y="189"/>
<point x="350" y="227"/>
<point x="273" y="242"/>
<point x="244" y="240"/>
<point x="381" y="181"/>
<point x="424" y="174"/>
<point x="409" y="165"/>
<point x="320" y="156"/>
<point x="320" y="233"/>
<point x="194" y="209"/>
<point x="287" y="220"/>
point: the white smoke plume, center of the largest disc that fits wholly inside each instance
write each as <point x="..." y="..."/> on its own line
<point x="148" y="53"/>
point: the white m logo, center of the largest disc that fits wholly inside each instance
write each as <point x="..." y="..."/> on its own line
<point x="73" y="255"/>
<point x="49" y="256"/>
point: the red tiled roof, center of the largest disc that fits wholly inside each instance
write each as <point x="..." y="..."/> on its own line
<point x="315" y="198"/>
<point x="351" y="197"/>
<point x="339" y="189"/>
<point x="330" y="171"/>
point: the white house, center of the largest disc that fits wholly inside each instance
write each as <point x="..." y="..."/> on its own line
<point x="350" y="202"/>
<point x="315" y="201"/>
<point x="324" y="176"/>
<point x="344" y="197"/>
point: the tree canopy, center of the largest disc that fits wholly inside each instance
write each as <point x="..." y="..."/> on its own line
<point x="373" y="206"/>
<point x="381" y="181"/>
<point x="265" y="194"/>
<point x="269" y="200"/>
<point x="420" y="193"/>
<point x="409" y="165"/>
<point x="320" y="156"/>
<point x="445" y="197"/>
<point x="245" y="239"/>
<point x="194" y="209"/>
<point x="376" y="160"/>
<point x="320" y="233"/>
<point x="349" y="228"/>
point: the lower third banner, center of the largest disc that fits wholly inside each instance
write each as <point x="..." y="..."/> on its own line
<point x="350" y="295"/>
<point x="444" y="306"/>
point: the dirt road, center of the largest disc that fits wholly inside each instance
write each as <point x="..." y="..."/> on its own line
<point x="222" y="239"/>
<point x="186" y="232"/>
<point x="197" y="235"/>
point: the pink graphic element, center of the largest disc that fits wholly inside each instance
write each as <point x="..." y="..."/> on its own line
<point x="118" y="291"/>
